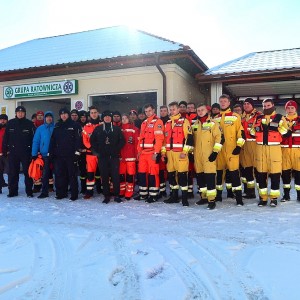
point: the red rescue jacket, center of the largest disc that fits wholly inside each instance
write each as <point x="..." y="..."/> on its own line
<point x="131" y="135"/>
<point x="292" y="141"/>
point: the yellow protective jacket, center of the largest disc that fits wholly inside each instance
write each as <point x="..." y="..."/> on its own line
<point x="178" y="135"/>
<point x="232" y="129"/>
<point x="207" y="137"/>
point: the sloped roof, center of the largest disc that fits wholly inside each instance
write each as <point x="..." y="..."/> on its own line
<point x="285" y="59"/>
<point x="93" y="45"/>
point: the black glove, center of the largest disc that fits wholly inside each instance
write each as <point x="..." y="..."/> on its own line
<point x="236" y="150"/>
<point x="213" y="156"/>
<point x="34" y="157"/>
<point x="158" y="157"/>
<point x="76" y="158"/>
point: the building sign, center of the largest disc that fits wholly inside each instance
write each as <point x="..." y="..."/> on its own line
<point x="43" y="89"/>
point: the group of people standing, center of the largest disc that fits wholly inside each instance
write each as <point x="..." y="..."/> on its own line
<point x="212" y="144"/>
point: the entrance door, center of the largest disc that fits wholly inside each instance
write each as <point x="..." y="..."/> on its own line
<point x="124" y="102"/>
<point x="32" y="106"/>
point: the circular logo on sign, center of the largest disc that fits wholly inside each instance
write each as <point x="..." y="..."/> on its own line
<point x="78" y="105"/>
<point x="68" y="87"/>
<point x="9" y="92"/>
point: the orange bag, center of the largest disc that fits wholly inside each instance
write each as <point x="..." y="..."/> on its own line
<point x="35" y="170"/>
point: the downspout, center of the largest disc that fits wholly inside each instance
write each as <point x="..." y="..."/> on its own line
<point x="164" y="80"/>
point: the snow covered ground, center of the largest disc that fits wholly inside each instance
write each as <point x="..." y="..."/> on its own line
<point x="52" y="249"/>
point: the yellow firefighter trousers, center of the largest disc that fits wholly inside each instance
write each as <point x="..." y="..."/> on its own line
<point x="175" y="163"/>
<point x="291" y="159"/>
<point x="268" y="159"/>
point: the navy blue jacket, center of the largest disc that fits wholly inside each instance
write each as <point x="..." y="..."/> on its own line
<point x="18" y="137"/>
<point x="65" y="139"/>
<point x="107" y="143"/>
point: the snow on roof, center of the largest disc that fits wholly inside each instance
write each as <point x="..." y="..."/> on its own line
<point x="84" y="46"/>
<point x="260" y="61"/>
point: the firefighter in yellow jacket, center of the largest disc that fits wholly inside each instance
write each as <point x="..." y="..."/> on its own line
<point x="247" y="156"/>
<point x="178" y="143"/>
<point x="291" y="151"/>
<point x="208" y="142"/>
<point x="232" y="129"/>
<point x="268" y="130"/>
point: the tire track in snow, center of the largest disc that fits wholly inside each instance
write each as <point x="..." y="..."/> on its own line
<point x="192" y="279"/>
<point x="223" y="281"/>
<point x="62" y="278"/>
<point x="24" y="279"/>
<point x="239" y="284"/>
<point x="126" y="273"/>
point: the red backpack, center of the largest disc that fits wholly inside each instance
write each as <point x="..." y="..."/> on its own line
<point x="35" y="170"/>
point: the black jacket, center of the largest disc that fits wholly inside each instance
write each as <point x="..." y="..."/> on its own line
<point x="65" y="139"/>
<point x="18" y="137"/>
<point x="107" y="143"/>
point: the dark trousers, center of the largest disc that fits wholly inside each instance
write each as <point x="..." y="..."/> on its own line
<point x="65" y="171"/>
<point x="109" y="167"/>
<point x="14" y="162"/>
<point x="82" y="166"/>
<point x="47" y="174"/>
<point x="3" y="169"/>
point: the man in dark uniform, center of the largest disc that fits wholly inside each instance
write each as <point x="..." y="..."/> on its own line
<point x="17" y="143"/>
<point x="64" y="150"/>
<point x="107" y="141"/>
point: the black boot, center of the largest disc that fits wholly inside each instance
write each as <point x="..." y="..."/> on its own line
<point x="184" y="197"/>
<point x="202" y="201"/>
<point x="211" y="205"/>
<point x="151" y="199"/>
<point x="250" y="193"/>
<point x="139" y="197"/>
<point x="50" y="188"/>
<point x="173" y="198"/>
<point x="298" y="195"/>
<point x="37" y="188"/>
<point x="98" y="186"/>
<point x="43" y="195"/>
<point x="230" y="193"/>
<point x="273" y="202"/>
<point x="286" y="195"/>
<point x="239" y="198"/>
<point x="219" y="196"/>
<point x="106" y="200"/>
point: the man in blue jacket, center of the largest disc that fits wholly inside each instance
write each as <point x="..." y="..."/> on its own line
<point x="64" y="150"/>
<point x="40" y="145"/>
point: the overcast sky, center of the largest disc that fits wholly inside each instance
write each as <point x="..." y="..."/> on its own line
<point x="217" y="30"/>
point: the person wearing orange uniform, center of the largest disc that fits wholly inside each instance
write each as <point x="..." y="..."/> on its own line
<point x="149" y="147"/>
<point x="228" y="158"/>
<point x="247" y="156"/>
<point x="178" y="143"/>
<point x="91" y="159"/>
<point x="268" y="130"/>
<point x="290" y="147"/>
<point x="128" y="157"/>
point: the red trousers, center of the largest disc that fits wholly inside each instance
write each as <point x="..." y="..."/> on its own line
<point x="127" y="172"/>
